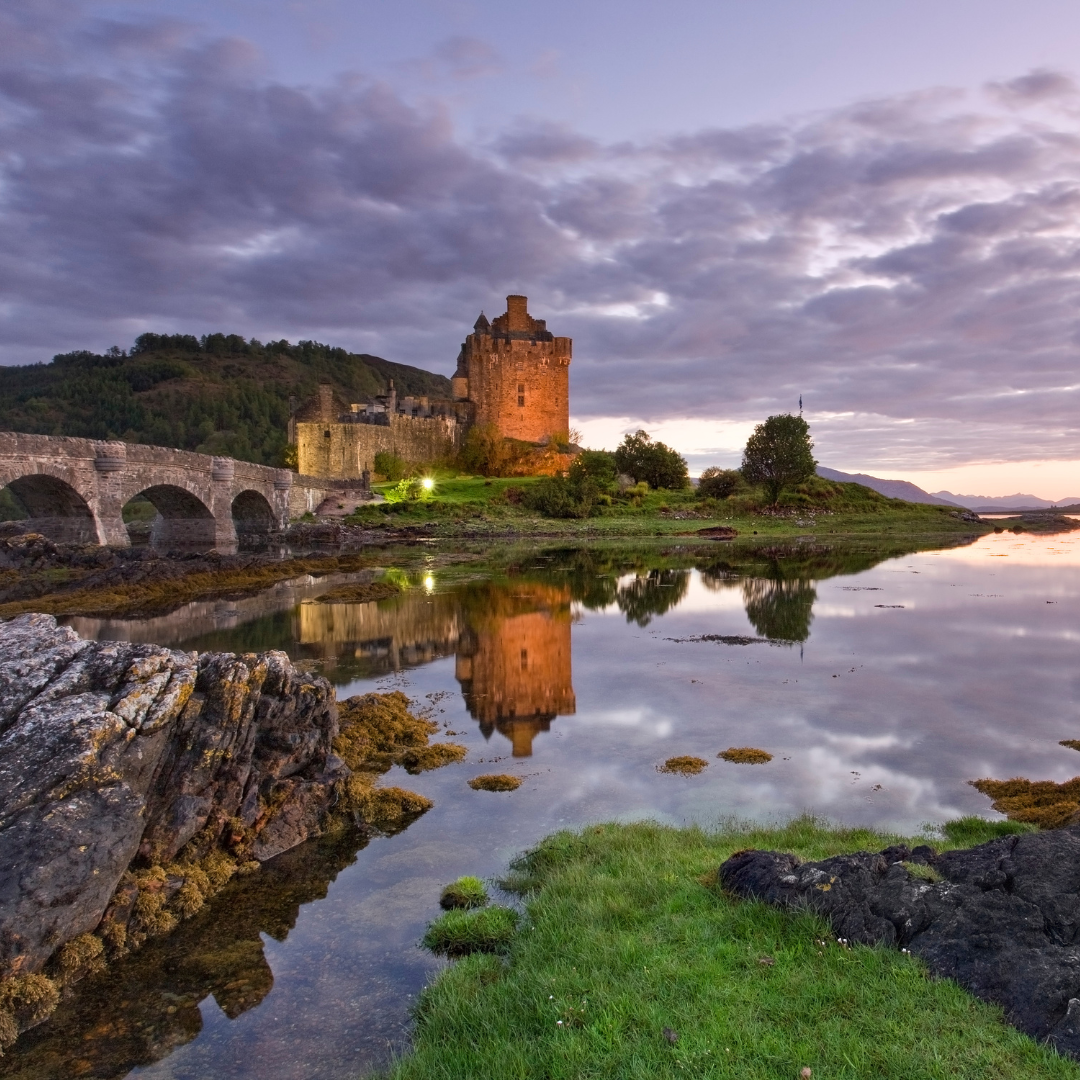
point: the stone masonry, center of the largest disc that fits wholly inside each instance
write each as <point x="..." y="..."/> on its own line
<point x="75" y="491"/>
<point x="516" y="375"/>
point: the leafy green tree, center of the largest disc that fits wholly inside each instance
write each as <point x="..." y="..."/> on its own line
<point x="657" y="464"/>
<point x="779" y="454"/>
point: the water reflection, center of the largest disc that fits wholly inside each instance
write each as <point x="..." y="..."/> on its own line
<point x="513" y="659"/>
<point x="920" y="671"/>
<point x="147" y="1005"/>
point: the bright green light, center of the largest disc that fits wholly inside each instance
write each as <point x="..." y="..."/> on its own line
<point x="427" y="483"/>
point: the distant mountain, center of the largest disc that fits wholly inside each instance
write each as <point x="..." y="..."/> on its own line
<point x="988" y="504"/>
<point x="218" y="394"/>
<point x="893" y="489"/>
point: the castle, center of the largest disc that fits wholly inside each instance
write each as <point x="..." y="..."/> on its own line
<point x="512" y="374"/>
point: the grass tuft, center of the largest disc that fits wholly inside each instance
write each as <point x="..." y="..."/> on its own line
<point x="461" y="932"/>
<point x="969" y="831"/>
<point x="466" y="892"/>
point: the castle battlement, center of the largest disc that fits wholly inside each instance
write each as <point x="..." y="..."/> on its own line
<point x="516" y="374"/>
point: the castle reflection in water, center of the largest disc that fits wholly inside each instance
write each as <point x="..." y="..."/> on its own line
<point x="512" y="648"/>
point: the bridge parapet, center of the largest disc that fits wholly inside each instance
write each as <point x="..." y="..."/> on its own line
<point x="75" y="490"/>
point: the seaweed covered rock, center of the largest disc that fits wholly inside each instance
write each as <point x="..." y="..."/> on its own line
<point x="112" y="753"/>
<point x="1002" y="920"/>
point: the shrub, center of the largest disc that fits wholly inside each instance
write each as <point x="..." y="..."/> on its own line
<point x="461" y="932"/>
<point x="466" y="892"/>
<point x="486" y="451"/>
<point x="638" y="456"/>
<point x="391" y="466"/>
<point x="559" y="497"/>
<point x="598" y="465"/>
<point x="719" y="483"/>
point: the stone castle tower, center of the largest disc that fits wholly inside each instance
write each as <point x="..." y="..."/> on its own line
<point x="516" y="375"/>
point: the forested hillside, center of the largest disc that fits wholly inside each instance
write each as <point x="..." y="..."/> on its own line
<point x="218" y="394"/>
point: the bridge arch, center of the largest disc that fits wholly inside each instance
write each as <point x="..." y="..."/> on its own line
<point x="183" y="519"/>
<point x="253" y="515"/>
<point x="55" y="507"/>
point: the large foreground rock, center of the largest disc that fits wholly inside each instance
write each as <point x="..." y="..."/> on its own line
<point x="113" y="754"/>
<point x="1004" y="921"/>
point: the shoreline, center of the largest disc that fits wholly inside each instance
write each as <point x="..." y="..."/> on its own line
<point x="630" y="960"/>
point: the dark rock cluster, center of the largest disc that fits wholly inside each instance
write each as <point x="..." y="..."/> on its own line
<point x="1001" y="919"/>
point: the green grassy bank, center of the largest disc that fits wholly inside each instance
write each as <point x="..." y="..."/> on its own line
<point x="475" y="505"/>
<point x="625" y="935"/>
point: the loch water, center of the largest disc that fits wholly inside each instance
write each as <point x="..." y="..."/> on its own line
<point x="880" y="679"/>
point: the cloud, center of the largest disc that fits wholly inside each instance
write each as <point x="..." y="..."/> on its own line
<point x="1036" y="87"/>
<point x="911" y="266"/>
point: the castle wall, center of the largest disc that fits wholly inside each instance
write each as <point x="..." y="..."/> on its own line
<point x="337" y="449"/>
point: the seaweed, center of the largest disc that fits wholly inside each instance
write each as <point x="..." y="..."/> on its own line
<point x="745" y="755"/>
<point x="495" y="782"/>
<point x="1036" y="802"/>
<point x="359" y="593"/>
<point x="685" y="765"/>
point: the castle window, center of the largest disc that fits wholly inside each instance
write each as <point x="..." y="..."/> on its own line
<point x="326" y="434"/>
<point x="521" y="401"/>
<point x="524" y="659"/>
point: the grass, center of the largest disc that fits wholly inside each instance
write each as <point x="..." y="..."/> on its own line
<point x="626" y="935"/>
<point x="476" y="505"/>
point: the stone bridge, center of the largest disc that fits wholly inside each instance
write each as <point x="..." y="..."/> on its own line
<point x="74" y="490"/>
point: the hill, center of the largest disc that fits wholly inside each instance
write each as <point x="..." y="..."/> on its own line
<point x="997" y="503"/>
<point x="893" y="489"/>
<point x="218" y="394"/>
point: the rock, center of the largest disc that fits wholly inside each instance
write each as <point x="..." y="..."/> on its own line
<point x="1003" y="921"/>
<point x="114" y="755"/>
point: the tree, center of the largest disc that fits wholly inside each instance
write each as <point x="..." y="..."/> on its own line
<point x="778" y="454"/>
<point x="657" y="464"/>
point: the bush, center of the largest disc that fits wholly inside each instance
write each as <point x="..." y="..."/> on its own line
<point x="638" y="456"/>
<point x="558" y="497"/>
<point x="486" y="451"/>
<point x="391" y="466"/>
<point x="598" y="465"/>
<point x="719" y="483"/>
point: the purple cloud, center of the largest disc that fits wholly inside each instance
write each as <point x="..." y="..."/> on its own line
<point x="911" y="265"/>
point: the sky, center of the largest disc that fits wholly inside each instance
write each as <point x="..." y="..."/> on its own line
<point x="873" y="205"/>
